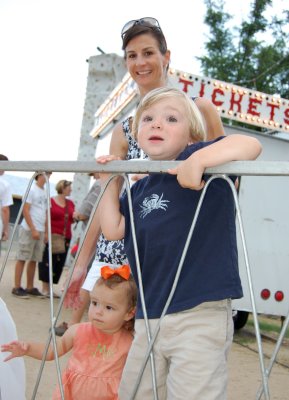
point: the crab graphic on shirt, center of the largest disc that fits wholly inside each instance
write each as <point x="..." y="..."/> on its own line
<point x="153" y="202"/>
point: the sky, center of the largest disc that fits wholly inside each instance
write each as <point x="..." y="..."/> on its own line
<point x="43" y="69"/>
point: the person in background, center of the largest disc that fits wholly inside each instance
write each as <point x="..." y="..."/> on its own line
<point x="62" y="210"/>
<point x="147" y="59"/>
<point x="83" y="212"/>
<point x="196" y="331"/>
<point x="6" y="200"/>
<point x="100" y="346"/>
<point x="32" y="238"/>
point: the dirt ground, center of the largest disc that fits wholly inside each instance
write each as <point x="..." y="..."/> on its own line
<point x="32" y="318"/>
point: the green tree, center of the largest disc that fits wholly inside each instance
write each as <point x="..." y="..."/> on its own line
<point x="255" y="54"/>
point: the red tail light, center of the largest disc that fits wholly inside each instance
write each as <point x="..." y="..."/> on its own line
<point x="279" y="296"/>
<point x="265" y="294"/>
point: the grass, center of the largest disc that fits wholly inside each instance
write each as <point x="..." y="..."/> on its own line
<point x="268" y="325"/>
<point x="243" y="338"/>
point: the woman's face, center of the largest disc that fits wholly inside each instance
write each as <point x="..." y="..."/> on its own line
<point x="145" y="63"/>
<point x="67" y="190"/>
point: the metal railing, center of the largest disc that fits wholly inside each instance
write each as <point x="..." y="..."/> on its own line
<point x="238" y="168"/>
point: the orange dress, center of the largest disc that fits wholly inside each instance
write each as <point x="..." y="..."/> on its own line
<point x="95" y="367"/>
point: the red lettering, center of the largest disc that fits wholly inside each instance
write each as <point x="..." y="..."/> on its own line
<point x="272" y="112"/>
<point x="235" y="101"/>
<point x="186" y="84"/>
<point x="214" y="97"/>
<point x="202" y="90"/>
<point x="252" y="106"/>
<point x="286" y="112"/>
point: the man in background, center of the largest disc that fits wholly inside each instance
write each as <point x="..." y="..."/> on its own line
<point x="32" y="238"/>
<point x="6" y="201"/>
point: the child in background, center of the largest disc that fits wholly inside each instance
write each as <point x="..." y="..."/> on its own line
<point x="195" y="335"/>
<point x="100" y="346"/>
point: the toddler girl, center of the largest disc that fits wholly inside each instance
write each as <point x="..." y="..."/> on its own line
<point x="100" y="346"/>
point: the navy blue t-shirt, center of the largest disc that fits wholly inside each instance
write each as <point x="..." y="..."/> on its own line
<point x="163" y="214"/>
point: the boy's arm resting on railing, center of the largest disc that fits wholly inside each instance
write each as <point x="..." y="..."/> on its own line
<point x="231" y="148"/>
<point x="111" y="220"/>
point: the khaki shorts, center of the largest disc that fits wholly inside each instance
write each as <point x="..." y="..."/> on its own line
<point x="190" y="355"/>
<point x="30" y="249"/>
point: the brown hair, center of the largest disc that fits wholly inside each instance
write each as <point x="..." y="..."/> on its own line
<point x="42" y="174"/>
<point x="131" y="291"/>
<point x="3" y="158"/>
<point x="145" y="29"/>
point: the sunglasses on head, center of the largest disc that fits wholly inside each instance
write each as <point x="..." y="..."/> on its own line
<point x="147" y="21"/>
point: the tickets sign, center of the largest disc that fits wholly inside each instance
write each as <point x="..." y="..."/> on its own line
<point x="232" y="102"/>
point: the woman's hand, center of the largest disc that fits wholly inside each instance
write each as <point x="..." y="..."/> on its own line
<point x="104" y="160"/>
<point x="72" y="298"/>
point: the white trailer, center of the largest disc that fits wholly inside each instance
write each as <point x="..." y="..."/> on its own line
<point x="264" y="204"/>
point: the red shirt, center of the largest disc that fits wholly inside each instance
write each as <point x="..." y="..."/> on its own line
<point x="58" y="215"/>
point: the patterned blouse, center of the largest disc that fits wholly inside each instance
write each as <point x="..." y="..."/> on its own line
<point x="112" y="252"/>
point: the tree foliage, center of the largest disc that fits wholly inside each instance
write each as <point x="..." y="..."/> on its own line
<point x="255" y="54"/>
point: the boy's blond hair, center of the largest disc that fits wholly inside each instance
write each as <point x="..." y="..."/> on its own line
<point x="197" y="129"/>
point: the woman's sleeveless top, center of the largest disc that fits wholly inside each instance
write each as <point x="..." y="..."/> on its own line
<point x="112" y="252"/>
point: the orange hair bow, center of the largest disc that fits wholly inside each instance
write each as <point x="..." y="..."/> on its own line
<point x="123" y="271"/>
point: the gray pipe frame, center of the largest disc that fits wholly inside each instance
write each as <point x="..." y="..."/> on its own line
<point x="248" y="168"/>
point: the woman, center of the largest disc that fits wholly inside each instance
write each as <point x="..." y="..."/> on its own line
<point x="147" y="60"/>
<point x="61" y="210"/>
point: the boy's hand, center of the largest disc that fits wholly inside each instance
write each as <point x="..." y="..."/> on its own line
<point x="17" y="349"/>
<point x="189" y="174"/>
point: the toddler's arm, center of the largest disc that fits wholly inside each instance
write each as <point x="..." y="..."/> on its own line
<point x="35" y="350"/>
<point x="231" y="148"/>
<point x="16" y="348"/>
<point x="111" y="220"/>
